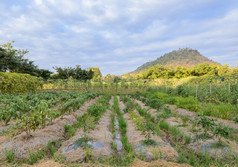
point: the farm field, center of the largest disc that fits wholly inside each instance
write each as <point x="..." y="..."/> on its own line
<point x="149" y="128"/>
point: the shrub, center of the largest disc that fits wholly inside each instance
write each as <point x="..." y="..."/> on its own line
<point x="18" y="83"/>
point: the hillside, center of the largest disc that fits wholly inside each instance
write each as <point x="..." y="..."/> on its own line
<point x="183" y="57"/>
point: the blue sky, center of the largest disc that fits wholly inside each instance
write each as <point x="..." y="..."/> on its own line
<point x="118" y="36"/>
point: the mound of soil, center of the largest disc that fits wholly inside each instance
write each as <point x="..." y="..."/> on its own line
<point x="160" y="150"/>
<point x="207" y="145"/>
<point x="101" y="139"/>
<point x="192" y="115"/>
<point x="41" y="137"/>
<point x="157" y="163"/>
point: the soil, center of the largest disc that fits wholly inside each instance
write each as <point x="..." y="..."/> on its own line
<point x="135" y="137"/>
<point x="202" y="145"/>
<point x="5" y="127"/>
<point x="41" y="137"/>
<point x="152" y="111"/>
<point x="192" y="115"/>
<point x="100" y="134"/>
<point x="205" y="145"/>
<point x="157" y="163"/>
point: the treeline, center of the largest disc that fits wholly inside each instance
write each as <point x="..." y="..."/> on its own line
<point x="167" y="72"/>
<point x="14" y="61"/>
<point x="76" y="73"/>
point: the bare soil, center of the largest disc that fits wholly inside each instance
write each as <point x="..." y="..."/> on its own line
<point x="41" y="137"/>
<point x="100" y="134"/>
<point x="192" y="115"/>
<point x="135" y="137"/>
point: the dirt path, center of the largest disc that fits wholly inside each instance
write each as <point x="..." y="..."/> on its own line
<point x="41" y="137"/>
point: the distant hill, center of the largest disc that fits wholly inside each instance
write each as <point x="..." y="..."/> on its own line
<point x="183" y="57"/>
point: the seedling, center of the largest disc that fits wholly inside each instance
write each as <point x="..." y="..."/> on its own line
<point x="206" y="123"/>
<point x="10" y="154"/>
<point x="221" y="131"/>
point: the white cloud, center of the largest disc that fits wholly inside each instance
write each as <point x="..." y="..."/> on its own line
<point x="113" y="34"/>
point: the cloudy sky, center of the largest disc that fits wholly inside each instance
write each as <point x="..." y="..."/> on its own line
<point x="116" y="35"/>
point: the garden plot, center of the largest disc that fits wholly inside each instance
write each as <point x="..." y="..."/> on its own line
<point x="197" y="134"/>
<point x="93" y="146"/>
<point x="192" y="116"/>
<point x="200" y="141"/>
<point x="150" y="110"/>
<point x="161" y="149"/>
<point x="41" y="137"/>
<point x="203" y="142"/>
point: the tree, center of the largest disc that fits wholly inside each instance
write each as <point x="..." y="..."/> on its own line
<point x="96" y="72"/>
<point x="13" y="60"/>
<point x="75" y="73"/>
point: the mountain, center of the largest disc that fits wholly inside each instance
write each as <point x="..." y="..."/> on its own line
<point x="183" y="57"/>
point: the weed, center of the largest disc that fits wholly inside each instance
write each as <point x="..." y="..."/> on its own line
<point x="89" y="154"/>
<point x="10" y="154"/>
<point x="187" y="139"/>
<point x="82" y="142"/>
<point x="164" y="125"/>
<point x="35" y="156"/>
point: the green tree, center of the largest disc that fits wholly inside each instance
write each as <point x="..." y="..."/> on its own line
<point x="13" y="60"/>
<point x="96" y="72"/>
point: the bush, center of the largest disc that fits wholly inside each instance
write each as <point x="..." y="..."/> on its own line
<point x="18" y="83"/>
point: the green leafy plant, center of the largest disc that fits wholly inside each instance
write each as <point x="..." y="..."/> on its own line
<point x="148" y="129"/>
<point x="28" y="123"/>
<point x="221" y="131"/>
<point x="206" y="123"/>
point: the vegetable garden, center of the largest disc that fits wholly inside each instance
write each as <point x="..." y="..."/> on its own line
<point x="159" y="126"/>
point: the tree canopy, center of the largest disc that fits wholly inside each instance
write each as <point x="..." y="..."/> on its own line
<point x="13" y="60"/>
<point x="166" y="72"/>
<point x="75" y="73"/>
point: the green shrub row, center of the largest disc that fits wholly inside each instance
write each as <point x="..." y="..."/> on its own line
<point x="18" y="83"/>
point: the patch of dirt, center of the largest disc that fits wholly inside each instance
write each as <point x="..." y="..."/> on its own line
<point x="205" y="145"/>
<point x="157" y="163"/>
<point x="5" y="127"/>
<point x="162" y="149"/>
<point x="100" y="134"/>
<point x="173" y="121"/>
<point x="41" y="137"/>
<point x="46" y="163"/>
<point x="192" y="115"/>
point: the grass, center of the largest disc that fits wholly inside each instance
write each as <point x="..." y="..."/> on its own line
<point x="10" y="155"/>
<point x="82" y="142"/>
<point x="35" y="156"/>
<point x="164" y="125"/>
<point x="187" y="139"/>
<point x="149" y="142"/>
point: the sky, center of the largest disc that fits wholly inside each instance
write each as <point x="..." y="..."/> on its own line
<point x="118" y="36"/>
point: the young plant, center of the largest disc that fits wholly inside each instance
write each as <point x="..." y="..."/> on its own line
<point x="10" y="154"/>
<point x="221" y="131"/>
<point x="88" y="125"/>
<point x="148" y="129"/>
<point x="28" y="123"/>
<point x="206" y="123"/>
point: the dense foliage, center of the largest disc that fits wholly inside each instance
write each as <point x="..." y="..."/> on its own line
<point x="184" y="57"/>
<point x="75" y="73"/>
<point x="13" y="60"/>
<point x="167" y="72"/>
<point x="18" y="83"/>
